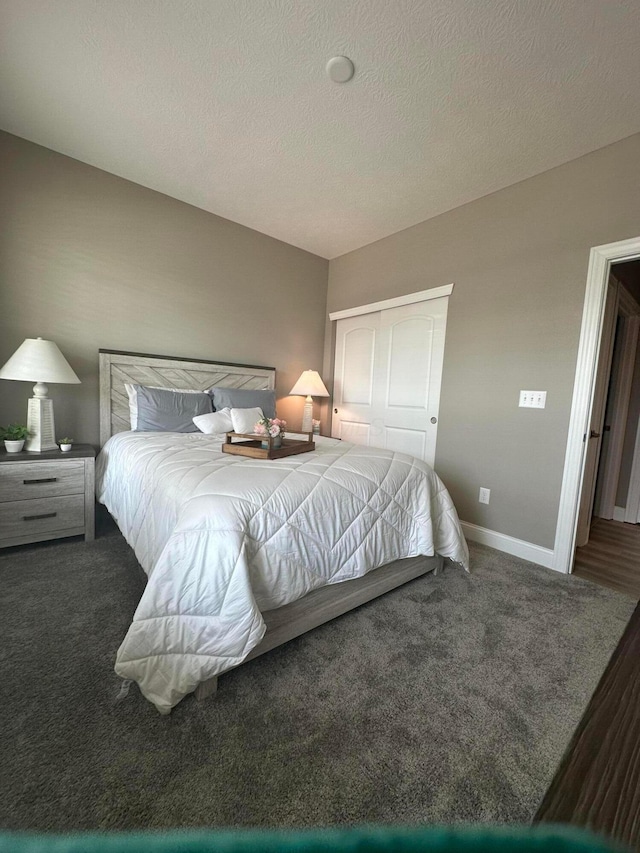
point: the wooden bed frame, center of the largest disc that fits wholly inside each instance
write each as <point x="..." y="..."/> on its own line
<point x="314" y="609"/>
<point x="165" y="371"/>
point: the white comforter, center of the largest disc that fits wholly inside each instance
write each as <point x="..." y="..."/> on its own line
<point x="224" y="537"/>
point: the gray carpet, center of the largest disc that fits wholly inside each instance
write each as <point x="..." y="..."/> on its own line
<point x="451" y="699"/>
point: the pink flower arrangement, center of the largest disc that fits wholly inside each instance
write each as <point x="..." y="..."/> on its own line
<point x="270" y="426"/>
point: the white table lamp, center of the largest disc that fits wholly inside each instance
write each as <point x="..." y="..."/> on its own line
<point x="309" y="385"/>
<point x="39" y="361"/>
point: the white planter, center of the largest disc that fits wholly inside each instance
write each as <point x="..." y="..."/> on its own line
<point x="276" y="443"/>
<point x="65" y="447"/>
<point x="14" y="446"/>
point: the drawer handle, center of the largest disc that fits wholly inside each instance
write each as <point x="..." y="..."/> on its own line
<point x="38" y="517"/>
<point x="43" y="480"/>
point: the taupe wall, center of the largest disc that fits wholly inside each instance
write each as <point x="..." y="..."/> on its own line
<point x="518" y="259"/>
<point x="629" y="446"/>
<point x="90" y="260"/>
<point x="629" y="275"/>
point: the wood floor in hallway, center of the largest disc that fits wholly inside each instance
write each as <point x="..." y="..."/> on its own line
<point x="611" y="557"/>
<point x="598" y="782"/>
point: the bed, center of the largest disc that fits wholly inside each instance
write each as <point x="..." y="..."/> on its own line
<point x="244" y="554"/>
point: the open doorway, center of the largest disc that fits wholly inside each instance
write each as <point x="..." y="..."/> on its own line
<point x="600" y="260"/>
<point x="608" y="532"/>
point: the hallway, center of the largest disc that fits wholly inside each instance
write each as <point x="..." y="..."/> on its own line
<point x="611" y="557"/>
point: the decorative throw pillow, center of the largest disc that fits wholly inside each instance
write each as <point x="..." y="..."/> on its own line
<point x="167" y="410"/>
<point x="244" y="420"/>
<point x="244" y="398"/>
<point x="132" y="394"/>
<point x="215" y="422"/>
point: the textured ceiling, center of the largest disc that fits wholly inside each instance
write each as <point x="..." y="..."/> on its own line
<point x="225" y="103"/>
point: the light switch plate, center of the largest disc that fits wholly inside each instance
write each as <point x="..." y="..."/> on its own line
<point x="533" y="399"/>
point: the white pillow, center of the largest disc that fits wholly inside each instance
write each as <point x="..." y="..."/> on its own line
<point x="216" y="422"/>
<point x="132" y="394"/>
<point x="244" y="420"/>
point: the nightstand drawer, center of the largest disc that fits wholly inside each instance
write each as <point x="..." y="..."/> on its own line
<point x="21" y="481"/>
<point x="45" y="515"/>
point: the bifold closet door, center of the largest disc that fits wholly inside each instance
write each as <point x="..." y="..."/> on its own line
<point x="388" y="371"/>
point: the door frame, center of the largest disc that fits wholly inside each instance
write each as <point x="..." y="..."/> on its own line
<point x="395" y="302"/>
<point x="600" y="260"/>
<point x="593" y="440"/>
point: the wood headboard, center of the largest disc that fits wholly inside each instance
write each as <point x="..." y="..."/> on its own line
<point x="165" y="371"/>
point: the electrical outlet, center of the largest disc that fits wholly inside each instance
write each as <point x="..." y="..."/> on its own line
<point x="485" y="494"/>
<point x="533" y="399"/>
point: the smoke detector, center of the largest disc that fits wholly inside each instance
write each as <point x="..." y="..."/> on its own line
<point x="340" y="69"/>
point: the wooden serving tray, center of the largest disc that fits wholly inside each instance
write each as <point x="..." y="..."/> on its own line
<point x="253" y="446"/>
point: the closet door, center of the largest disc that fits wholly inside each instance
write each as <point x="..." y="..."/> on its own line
<point x="356" y="353"/>
<point x="388" y="372"/>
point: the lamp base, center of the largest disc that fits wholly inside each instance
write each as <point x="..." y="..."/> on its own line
<point x="40" y="423"/>
<point x="307" y="416"/>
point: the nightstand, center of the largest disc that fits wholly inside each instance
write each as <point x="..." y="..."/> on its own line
<point x="47" y="495"/>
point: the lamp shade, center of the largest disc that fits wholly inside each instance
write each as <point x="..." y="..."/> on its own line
<point x="310" y="385"/>
<point x="37" y="360"/>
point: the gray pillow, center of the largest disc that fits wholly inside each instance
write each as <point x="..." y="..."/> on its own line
<point x="244" y="398"/>
<point x="160" y="410"/>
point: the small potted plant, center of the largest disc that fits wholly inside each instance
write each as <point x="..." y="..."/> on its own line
<point x="14" y="437"/>
<point x="65" y="443"/>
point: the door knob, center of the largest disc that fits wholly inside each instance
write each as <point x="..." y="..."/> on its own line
<point x="594" y="434"/>
<point x="335" y="411"/>
<point x="434" y="420"/>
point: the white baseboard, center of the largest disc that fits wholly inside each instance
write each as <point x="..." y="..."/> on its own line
<point x="619" y="513"/>
<point x="516" y="547"/>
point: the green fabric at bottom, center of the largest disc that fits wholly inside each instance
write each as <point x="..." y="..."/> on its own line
<point x="539" y="839"/>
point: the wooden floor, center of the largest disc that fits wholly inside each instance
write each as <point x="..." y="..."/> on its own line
<point x="598" y="783"/>
<point x="611" y="557"/>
